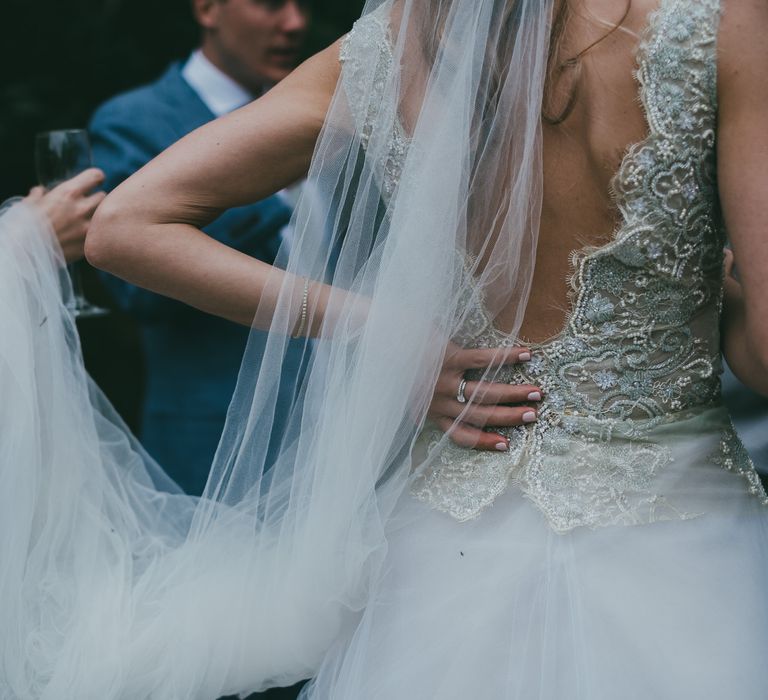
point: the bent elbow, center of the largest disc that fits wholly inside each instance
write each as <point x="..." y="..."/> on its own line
<point x="102" y="242"/>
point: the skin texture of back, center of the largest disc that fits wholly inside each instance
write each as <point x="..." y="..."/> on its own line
<point x="582" y="154"/>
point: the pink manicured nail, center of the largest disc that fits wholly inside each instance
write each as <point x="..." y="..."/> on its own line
<point x="529" y="417"/>
<point x="502" y="446"/>
<point x="534" y="396"/>
<point x="524" y="357"/>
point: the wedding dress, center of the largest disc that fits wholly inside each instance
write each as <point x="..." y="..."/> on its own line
<point x="618" y="550"/>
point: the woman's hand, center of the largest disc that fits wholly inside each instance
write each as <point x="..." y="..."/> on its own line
<point x="485" y="401"/>
<point x="69" y="208"/>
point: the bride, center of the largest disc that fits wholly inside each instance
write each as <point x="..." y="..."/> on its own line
<point x="480" y="173"/>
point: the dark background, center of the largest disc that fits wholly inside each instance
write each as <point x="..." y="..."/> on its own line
<point x="59" y="59"/>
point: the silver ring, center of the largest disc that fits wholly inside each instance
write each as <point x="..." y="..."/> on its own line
<point x="460" y="393"/>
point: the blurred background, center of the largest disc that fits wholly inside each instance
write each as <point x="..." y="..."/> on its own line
<point x="58" y="61"/>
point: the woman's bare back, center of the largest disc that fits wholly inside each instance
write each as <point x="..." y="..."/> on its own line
<point x="583" y="153"/>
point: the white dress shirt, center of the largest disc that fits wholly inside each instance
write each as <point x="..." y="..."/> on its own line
<point x="220" y="93"/>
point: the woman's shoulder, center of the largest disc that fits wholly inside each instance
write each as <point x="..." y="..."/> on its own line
<point x="369" y="38"/>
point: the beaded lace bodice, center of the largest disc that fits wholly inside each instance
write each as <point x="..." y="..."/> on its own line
<point x="640" y="348"/>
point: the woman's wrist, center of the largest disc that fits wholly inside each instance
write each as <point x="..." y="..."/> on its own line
<point x="301" y="325"/>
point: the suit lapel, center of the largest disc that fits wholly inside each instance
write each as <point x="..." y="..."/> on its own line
<point x="191" y="110"/>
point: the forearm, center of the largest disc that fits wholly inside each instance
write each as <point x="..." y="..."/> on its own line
<point x="141" y="303"/>
<point x="181" y="262"/>
<point x="148" y="305"/>
<point x="741" y="347"/>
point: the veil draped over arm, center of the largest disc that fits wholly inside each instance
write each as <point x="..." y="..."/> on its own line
<point x="421" y="212"/>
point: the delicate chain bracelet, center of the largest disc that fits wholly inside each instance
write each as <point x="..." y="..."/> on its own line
<point x="303" y="314"/>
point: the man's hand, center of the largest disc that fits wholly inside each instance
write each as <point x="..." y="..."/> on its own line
<point x="482" y="408"/>
<point x="69" y="208"/>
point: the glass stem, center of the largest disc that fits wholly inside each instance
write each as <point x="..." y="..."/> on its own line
<point x="77" y="284"/>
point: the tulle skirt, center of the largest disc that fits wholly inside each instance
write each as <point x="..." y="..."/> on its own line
<point x="504" y="607"/>
<point x="114" y="586"/>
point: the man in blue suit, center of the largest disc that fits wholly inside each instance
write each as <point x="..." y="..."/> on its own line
<point x="192" y="359"/>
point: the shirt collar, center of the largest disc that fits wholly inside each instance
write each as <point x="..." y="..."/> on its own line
<point x="220" y="93"/>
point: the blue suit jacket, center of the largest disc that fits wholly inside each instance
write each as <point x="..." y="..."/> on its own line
<point x="192" y="359"/>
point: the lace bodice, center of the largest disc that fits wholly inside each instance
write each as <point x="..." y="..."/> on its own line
<point x="641" y="347"/>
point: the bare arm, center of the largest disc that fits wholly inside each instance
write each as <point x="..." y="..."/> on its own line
<point x="147" y="231"/>
<point x="743" y="182"/>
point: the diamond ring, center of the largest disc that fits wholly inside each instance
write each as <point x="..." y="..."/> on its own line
<point x="460" y="393"/>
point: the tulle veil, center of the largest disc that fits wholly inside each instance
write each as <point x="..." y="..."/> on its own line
<point x="422" y="202"/>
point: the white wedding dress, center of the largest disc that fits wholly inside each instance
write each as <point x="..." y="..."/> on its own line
<point x="618" y="550"/>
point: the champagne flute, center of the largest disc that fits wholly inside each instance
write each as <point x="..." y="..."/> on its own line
<point x="60" y="155"/>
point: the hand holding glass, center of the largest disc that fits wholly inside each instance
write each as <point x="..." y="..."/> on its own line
<point x="59" y="156"/>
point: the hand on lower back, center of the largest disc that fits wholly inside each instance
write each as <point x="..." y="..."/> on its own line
<point x="487" y="405"/>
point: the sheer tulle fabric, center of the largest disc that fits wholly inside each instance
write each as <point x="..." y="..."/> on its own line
<point x="112" y="589"/>
<point x="503" y="607"/>
<point x="306" y="555"/>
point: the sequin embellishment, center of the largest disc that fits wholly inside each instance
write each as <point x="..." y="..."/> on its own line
<point x="641" y="348"/>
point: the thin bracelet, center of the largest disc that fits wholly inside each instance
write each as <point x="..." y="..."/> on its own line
<point x="304" y="306"/>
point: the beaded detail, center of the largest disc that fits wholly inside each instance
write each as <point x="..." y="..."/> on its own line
<point x="641" y="348"/>
<point x="733" y="456"/>
<point x="367" y="60"/>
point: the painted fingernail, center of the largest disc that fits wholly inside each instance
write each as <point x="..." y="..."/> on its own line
<point x="502" y="446"/>
<point x="529" y="417"/>
<point x="524" y="357"/>
<point x="534" y="396"/>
